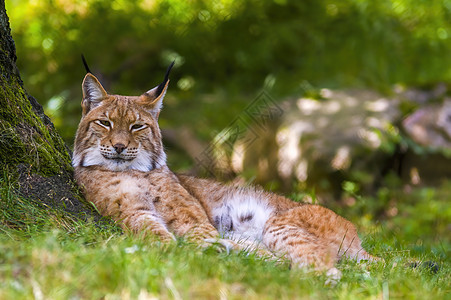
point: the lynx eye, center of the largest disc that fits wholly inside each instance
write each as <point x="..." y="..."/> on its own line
<point x="137" y="126"/>
<point x="104" y="123"/>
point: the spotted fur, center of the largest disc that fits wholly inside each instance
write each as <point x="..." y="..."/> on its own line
<point x="120" y="163"/>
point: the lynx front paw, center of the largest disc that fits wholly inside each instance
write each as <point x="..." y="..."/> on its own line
<point x="167" y="237"/>
<point x="333" y="277"/>
<point x="222" y="244"/>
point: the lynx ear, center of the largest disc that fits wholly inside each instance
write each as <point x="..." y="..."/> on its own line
<point x="153" y="99"/>
<point x="93" y="93"/>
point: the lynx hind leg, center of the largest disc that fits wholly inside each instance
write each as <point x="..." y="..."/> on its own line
<point x="302" y="248"/>
<point x="297" y="244"/>
<point x="338" y="233"/>
<point x="313" y="236"/>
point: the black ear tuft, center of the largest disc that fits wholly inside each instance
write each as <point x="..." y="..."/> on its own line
<point x="85" y="64"/>
<point x="166" y="78"/>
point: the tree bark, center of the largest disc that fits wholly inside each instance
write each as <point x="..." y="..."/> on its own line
<point x="32" y="154"/>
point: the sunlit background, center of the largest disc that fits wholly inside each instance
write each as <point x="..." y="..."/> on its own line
<point x="346" y="76"/>
<point x="227" y="49"/>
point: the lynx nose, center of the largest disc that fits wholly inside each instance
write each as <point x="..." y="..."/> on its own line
<point x="119" y="147"/>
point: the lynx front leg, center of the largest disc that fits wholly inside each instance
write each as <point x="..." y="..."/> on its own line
<point x="206" y="235"/>
<point x="146" y="222"/>
<point x="189" y="220"/>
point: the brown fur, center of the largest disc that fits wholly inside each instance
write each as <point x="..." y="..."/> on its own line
<point x="120" y="164"/>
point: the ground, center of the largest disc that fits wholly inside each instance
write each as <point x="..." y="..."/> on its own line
<point x="47" y="254"/>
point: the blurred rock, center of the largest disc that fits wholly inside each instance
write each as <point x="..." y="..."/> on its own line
<point x="353" y="136"/>
<point x="347" y="134"/>
<point x="430" y="125"/>
<point x="428" y="159"/>
<point x="424" y="95"/>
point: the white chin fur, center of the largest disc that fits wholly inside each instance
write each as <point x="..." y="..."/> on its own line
<point x="141" y="163"/>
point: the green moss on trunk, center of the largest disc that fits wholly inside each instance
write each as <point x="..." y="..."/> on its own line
<point x="32" y="154"/>
<point x="24" y="137"/>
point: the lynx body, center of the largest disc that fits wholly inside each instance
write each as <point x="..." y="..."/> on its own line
<point x="120" y="164"/>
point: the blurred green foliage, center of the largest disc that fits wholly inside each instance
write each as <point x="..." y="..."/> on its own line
<point x="413" y="218"/>
<point x="225" y="51"/>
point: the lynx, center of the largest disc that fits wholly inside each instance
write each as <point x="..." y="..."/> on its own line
<point x="120" y="164"/>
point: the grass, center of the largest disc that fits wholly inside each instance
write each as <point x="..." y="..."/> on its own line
<point x="45" y="254"/>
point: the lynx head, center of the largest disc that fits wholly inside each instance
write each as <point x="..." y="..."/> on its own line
<point x="120" y="132"/>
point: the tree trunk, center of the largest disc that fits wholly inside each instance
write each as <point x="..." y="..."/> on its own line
<point x="32" y="154"/>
